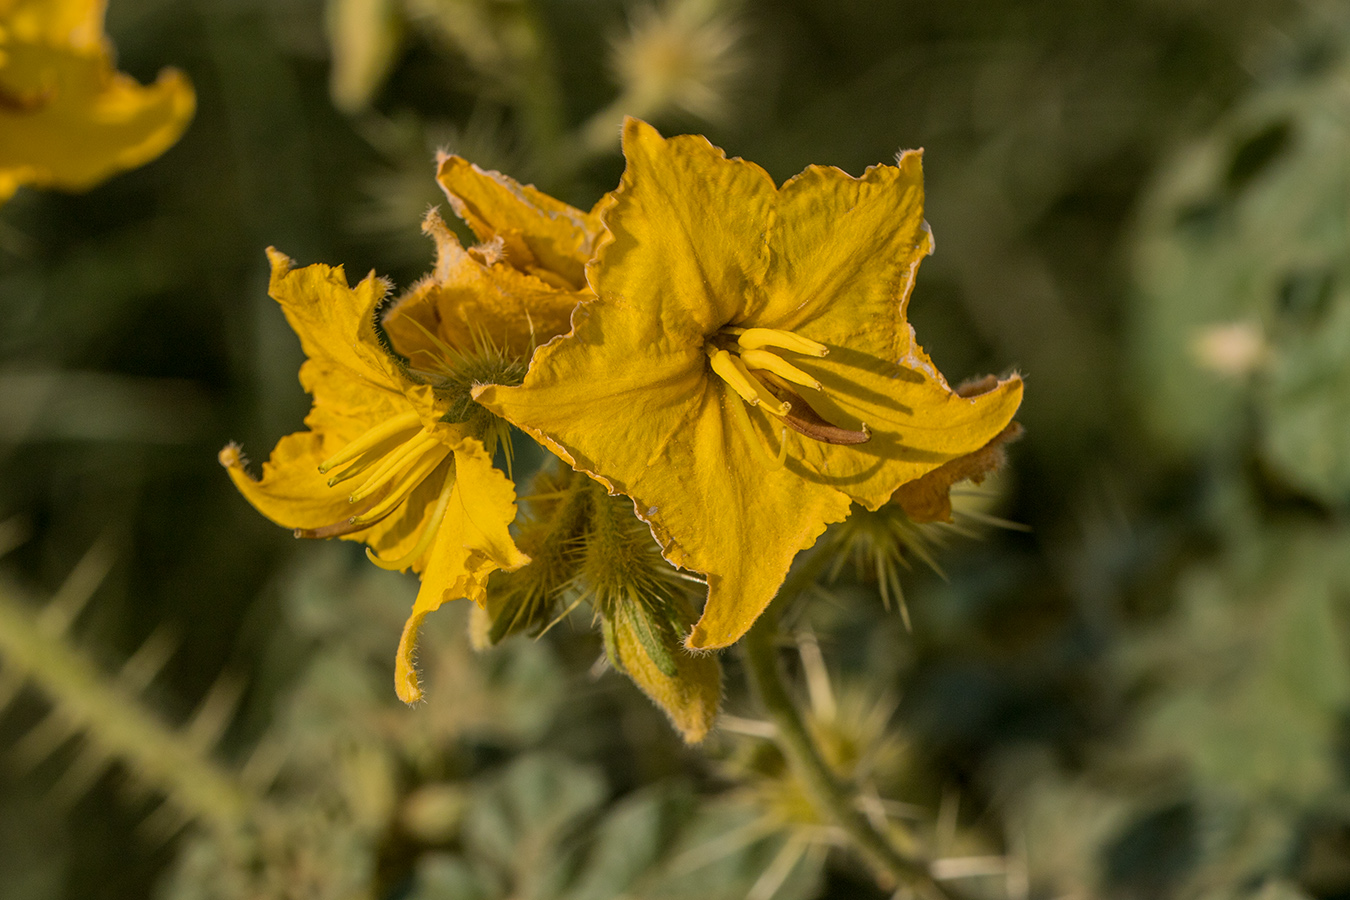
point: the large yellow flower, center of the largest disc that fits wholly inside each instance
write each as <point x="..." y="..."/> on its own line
<point x="396" y="453"/>
<point x="747" y="370"/>
<point x="67" y="118"/>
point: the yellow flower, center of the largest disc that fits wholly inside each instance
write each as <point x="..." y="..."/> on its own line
<point x="397" y="454"/>
<point x="747" y="369"/>
<point x="67" y="118"/>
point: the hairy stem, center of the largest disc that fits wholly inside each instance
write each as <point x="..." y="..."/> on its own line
<point x="831" y="798"/>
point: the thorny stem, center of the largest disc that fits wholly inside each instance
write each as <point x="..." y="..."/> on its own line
<point x="827" y="794"/>
<point x="113" y="719"/>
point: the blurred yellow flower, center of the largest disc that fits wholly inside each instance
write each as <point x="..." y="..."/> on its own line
<point x="397" y="453"/>
<point x="67" y="118"/>
<point x="747" y="370"/>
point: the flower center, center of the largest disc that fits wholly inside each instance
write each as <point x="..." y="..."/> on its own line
<point x="391" y="460"/>
<point x="746" y="360"/>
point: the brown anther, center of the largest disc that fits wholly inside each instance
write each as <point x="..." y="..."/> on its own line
<point x="345" y="526"/>
<point x="804" y="420"/>
<point x="31" y="102"/>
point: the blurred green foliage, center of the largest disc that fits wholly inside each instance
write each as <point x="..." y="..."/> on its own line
<point x="1142" y="205"/>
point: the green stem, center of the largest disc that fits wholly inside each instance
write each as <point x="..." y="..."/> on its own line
<point x="827" y="794"/>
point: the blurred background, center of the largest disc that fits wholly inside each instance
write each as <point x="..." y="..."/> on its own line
<point x="1142" y="205"/>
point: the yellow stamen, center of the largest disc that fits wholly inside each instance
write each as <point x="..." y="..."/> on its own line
<point x="747" y="430"/>
<point x="371" y="438"/>
<point x="735" y="374"/>
<point x="355" y="470"/>
<point x="409" y="482"/>
<point x="758" y="338"/>
<point x="392" y="464"/>
<point x="763" y="359"/>
<point x="428" y="533"/>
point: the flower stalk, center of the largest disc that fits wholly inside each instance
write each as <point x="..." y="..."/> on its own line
<point x="833" y="800"/>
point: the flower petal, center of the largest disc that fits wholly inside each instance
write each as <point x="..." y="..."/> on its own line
<point x="335" y="322"/>
<point x="688" y="228"/>
<point x="291" y="492"/>
<point x="582" y="392"/>
<point x="465" y="302"/>
<point x="717" y="508"/>
<point x="844" y="253"/>
<point x="473" y="542"/>
<point x="68" y="120"/>
<point x="539" y="232"/>
<point x="916" y="422"/>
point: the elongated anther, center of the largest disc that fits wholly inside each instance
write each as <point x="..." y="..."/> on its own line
<point x="371" y="438"/>
<point x="734" y="373"/>
<point x="763" y="359"/>
<point x="405" y="485"/>
<point x="342" y="527"/>
<point x="391" y="466"/>
<point x="758" y="338"/>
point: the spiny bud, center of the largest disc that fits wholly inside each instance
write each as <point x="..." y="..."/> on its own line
<point x="526" y="601"/>
<point x="649" y="650"/>
<point x="646" y="616"/>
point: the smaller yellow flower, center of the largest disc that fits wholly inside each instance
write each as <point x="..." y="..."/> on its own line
<point x="397" y="454"/>
<point x="67" y="118"/>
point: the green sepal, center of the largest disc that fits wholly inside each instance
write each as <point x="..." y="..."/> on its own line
<point x="655" y="640"/>
<point x="611" y="641"/>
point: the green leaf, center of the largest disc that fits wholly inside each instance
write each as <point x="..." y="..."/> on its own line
<point x="515" y="822"/>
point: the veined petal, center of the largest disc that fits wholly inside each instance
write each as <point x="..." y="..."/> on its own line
<point x="916" y="422"/>
<point x="843" y="255"/>
<point x="473" y="542"/>
<point x="345" y="406"/>
<point x="738" y="521"/>
<point x="335" y="322"/>
<point x="537" y="230"/>
<point x="688" y="228"/>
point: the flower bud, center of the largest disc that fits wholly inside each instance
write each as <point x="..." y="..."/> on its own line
<point x="688" y="686"/>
